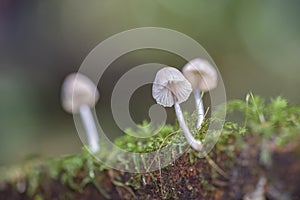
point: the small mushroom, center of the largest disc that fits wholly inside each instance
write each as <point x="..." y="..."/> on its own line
<point x="203" y="77"/>
<point x="78" y="95"/>
<point x="170" y="88"/>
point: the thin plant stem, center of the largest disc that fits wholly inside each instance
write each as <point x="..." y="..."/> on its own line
<point x="216" y="167"/>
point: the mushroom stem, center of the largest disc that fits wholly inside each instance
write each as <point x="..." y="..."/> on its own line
<point x="90" y="127"/>
<point x="199" y="107"/>
<point x="196" y="144"/>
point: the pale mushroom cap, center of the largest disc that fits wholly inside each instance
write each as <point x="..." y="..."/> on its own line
<point x="201" y="74"/>
<point x="77" y="89"/>
<point x="170" y="86"/>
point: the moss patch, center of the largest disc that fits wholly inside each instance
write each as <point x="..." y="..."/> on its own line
<point x="264" y="131"/>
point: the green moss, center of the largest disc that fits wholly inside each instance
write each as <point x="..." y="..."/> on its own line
<point x="275" y="120"/>
<point x="149" y="144"/>
<point x="75" y="172"/>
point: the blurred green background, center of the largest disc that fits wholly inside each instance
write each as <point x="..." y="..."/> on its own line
<point x="255" y="44"/>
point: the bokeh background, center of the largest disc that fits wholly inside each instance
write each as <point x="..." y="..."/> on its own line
<point x="255" y="44"/>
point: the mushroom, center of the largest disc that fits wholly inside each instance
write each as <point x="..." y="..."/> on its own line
<point x="170" y="88"/>
<point x="78" y="95"/>
<point x="203" y="77"/>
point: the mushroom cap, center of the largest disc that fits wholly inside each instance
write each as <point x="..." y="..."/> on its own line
<point x="170" y="86"/>
<point x="201" y="74"/>
<point x="77" y="89"/>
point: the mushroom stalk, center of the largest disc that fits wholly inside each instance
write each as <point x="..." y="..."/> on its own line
<point x="79" y="94"/>
<point x="196" y="144"/>
<point x="170" y="88"/>
<point x="199" y="107"/>
<point x="203" y="77"/>
<point x="90" y="127"/>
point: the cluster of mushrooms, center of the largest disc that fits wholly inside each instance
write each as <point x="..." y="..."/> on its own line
<point x="170" y="88"/>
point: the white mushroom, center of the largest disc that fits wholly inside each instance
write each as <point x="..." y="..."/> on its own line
<point x="78" y="95"/>
<point x="203" y="77"/>
<point x="170" y="88"/>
